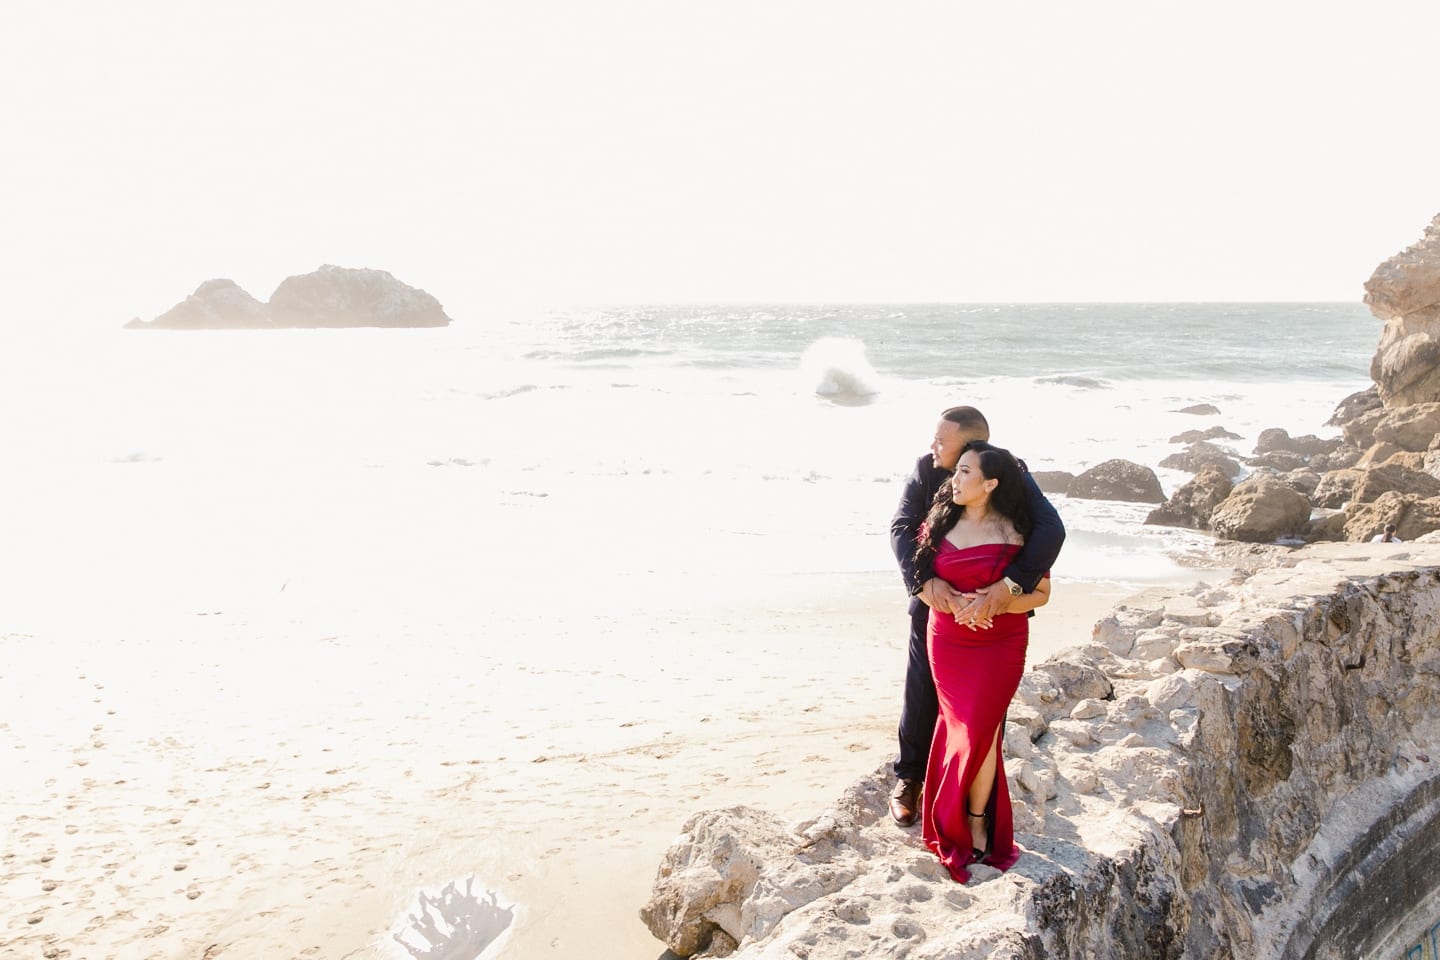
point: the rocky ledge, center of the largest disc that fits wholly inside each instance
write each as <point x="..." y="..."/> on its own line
<point x="1249" y="770"/>
<point x="329" y="297"/>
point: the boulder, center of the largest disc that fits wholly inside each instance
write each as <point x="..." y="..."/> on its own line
<point x="1280" y="460"/>
<point x="1411" y="461"/>
<point x="1304" y="481"/>
<point x="215" y="305"/>
<point x="1053" y="481"/>
<point x="1392" y="477"/>
<point x="1053" y="687"/>
<point x="1413" y="516"/>
<point x="342" y="297"/>
<point x="1117" y="480"/>
<point x="1276" y="439"/>
<point x="1410" y="428"/>
<point x="1355" y="405"/>
<point x="1360" y="432"/>
<point x="1336" y="488"/>
<point x="1192" y="504"/>
<point x="708" y="872"/>
<point x="1379" y="452"/>
<point x="1329" y="527"/>
<point x="1406" y="365"/>
<point x="1260" y="509"/>
<point x="1344" y="456"/>
<point x="1201" y="454"/>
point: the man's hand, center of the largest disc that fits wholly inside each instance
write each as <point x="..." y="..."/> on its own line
<point x="987" y="603"/>
<point x="939" y="595"/>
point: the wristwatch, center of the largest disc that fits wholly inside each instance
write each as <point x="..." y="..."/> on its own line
<point x="1012" y="586"/>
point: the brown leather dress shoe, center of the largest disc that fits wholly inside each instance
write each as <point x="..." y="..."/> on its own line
<point x="905" y="801"/>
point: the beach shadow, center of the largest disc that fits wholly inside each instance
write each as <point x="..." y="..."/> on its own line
<point x="454" y="924"/>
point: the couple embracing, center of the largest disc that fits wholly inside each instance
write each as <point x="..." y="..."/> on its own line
<point x="975" y="539"/>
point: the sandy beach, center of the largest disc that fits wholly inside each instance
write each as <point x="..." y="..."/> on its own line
<point x="269" y="782"/>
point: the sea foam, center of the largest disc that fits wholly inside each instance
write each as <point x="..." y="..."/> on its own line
<point x="839" y="370"/>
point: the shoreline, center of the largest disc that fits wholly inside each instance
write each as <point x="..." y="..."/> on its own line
<point x="260" y="784"/>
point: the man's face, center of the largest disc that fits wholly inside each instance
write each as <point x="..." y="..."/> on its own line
<point x="945" y="448"/>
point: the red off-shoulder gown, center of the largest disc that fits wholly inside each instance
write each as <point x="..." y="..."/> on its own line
<point x="976" y="675"/>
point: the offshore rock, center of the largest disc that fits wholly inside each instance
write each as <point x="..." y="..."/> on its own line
<point x="215" y="305"/>
<point x="1225" y="799"/>
<point x="1053" y="481"/>
<point x="342" y="297"/>
<point x="329" y="297"/>
<point x="1211" y="433"/>
<point x="1118" y="480"/>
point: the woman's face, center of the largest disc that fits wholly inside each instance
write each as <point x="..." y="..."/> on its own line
<point x="968" y="485"/>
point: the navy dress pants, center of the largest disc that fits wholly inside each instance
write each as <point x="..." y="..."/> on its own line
<point x="920" y="708"/>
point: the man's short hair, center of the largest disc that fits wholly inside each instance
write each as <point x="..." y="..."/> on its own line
<point x="970" y="420"/>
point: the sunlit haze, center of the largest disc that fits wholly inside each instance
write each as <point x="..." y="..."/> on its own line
<point x="614" y="152"/>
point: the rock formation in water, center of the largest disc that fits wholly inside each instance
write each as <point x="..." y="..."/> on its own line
<point x="329" y="297"/>
<point x="1117" y="480"/>
<point x="1246" y="771"/>
<point x="215" y="305"/>
<point x="340" y="297"/>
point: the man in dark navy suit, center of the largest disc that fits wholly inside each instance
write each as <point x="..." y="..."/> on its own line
<point x="957" y="427"/>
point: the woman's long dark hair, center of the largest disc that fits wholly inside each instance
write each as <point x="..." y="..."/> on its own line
<point x="1009" y="498"/>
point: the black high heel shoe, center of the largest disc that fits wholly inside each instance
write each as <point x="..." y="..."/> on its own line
<point x="975" y="851"/>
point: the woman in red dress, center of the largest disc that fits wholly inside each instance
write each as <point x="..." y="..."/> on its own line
<point x="978" y="523"/>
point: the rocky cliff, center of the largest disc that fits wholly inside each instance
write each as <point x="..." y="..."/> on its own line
<point x="328" y="297"/>
<point x="1250" y="770"/>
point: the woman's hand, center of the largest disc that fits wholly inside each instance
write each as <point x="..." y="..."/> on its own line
<point x="967" y="615"/>
<point x="984" y="605"/>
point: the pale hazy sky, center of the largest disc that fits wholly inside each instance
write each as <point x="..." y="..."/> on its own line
<point x="603" y="152"/>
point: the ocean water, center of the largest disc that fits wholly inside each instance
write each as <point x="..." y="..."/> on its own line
<point x="401" y="472"/>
